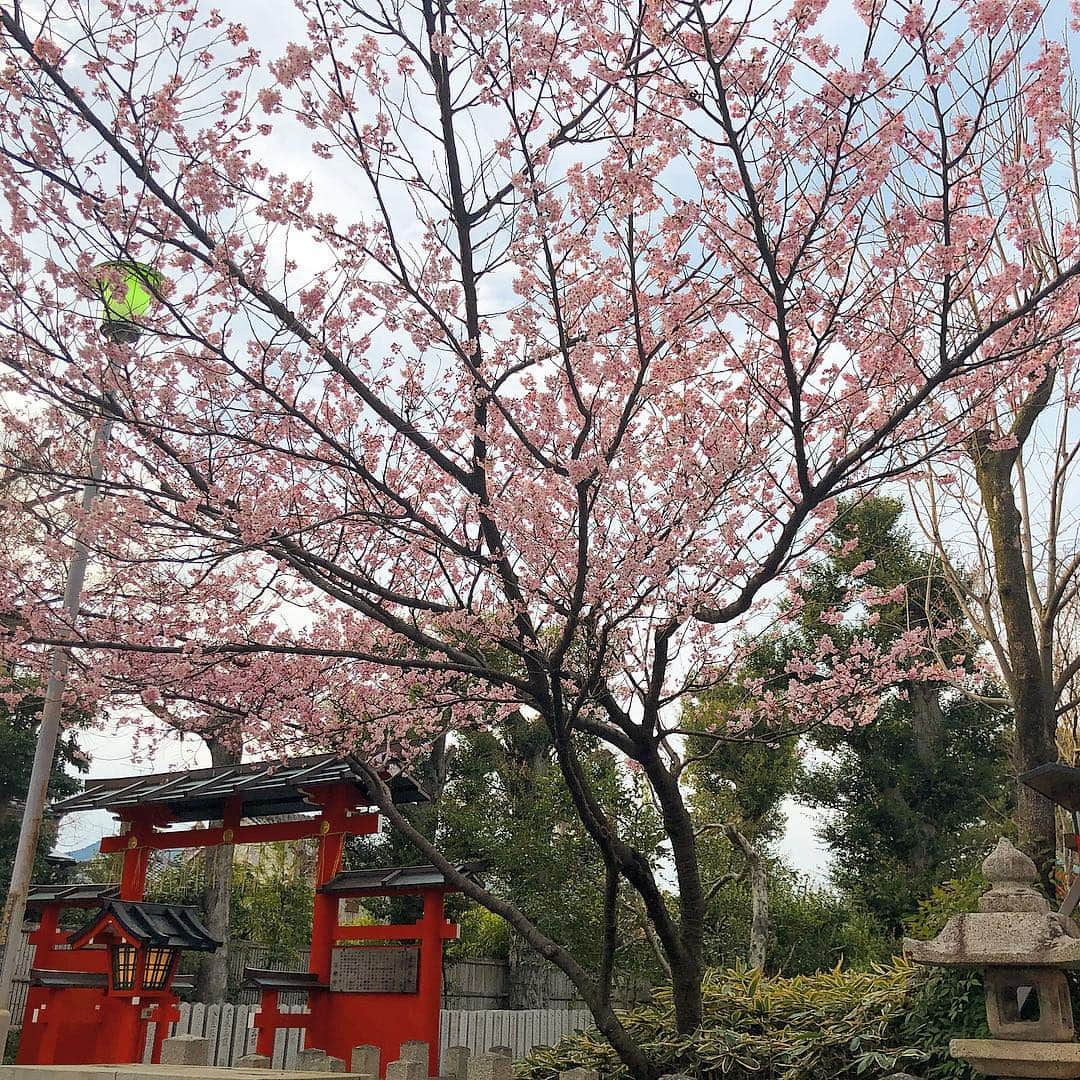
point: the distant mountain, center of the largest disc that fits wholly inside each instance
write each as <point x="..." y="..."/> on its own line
<point x="85" y="854"/>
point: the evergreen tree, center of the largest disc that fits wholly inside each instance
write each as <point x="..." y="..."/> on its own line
<point x="914" y="796"/>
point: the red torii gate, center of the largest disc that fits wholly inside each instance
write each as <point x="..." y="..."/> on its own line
<point x="355" y="995"/>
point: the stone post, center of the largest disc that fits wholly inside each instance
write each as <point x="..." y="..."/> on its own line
<point x="490" y="1067"/>
<point x="407" y="1070"/>
<point x="314" y="1060"/>
<point x="253" y="1061"/>
<point x="455" y="1062"/>
<point x="186" y="1050"/>
<point x="365" y="1060"/>
<point x="414" y="1051"/>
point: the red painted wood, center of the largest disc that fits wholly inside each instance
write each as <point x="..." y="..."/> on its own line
<point x="337" y="1021"/>
<point x="78" y="1025"/>
<point x="269" y="832"/>
<point x="136" y="863"/>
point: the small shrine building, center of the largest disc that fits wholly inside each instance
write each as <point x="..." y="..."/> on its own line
<point x="96" y="990"/>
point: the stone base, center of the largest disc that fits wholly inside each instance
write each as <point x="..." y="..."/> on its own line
<point x="1005" y="1058"/>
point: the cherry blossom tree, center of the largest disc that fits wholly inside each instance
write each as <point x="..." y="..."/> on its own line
<point x="513" y="355"/>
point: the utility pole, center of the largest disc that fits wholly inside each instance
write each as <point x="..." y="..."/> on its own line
<point x="127" y="290"/>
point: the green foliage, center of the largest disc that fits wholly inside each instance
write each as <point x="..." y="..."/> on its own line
<point x="101" y="869"/>
<point x="18" y="740"/>
<point x="810" y="929"/>
<point x="814" y="929"/>
<point x="272" y="896"/>
<point x="272" y="902"/>
<point x="914" y="798"/>
<point x="741" y="782"/>
<point x="906" y="816"/>
<point x="836" y="1025"/>
<point x="946" y="1004"/>
<point x="917" y="795"/>
<point x="483" y="934"/>
<point x="945" y="900"/>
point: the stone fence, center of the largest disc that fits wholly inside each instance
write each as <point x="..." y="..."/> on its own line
<point x="229" y="1031"/>
<point x="456" y="1062"/>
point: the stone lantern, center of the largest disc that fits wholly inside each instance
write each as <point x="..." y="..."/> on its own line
<point x="1023" y="949"/>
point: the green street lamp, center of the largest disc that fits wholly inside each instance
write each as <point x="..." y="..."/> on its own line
<point x="127" y="289"/>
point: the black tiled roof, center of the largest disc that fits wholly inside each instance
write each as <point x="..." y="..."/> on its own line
<point x="73" y="895"/>
<point x="266" y="788"/>
<point x="380" y="880"/>
<point x="1059" y="783"/>
<point x="170" y="925"/>
<point x="283" y="980"/>
<point x="46" y="977"/>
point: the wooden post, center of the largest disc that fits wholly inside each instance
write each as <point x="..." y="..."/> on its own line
<point x="136" y="863"/>
<point x="266" y="1022"/>
<point x="430" y="988"/>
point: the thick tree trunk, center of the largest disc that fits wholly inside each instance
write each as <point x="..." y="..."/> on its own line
<point x="688" y="965"/>
<point x="927" y="720"/>
<point x="1031" y="688"/>
<point x="526" y="977"/>
<point x="212" y="978"/>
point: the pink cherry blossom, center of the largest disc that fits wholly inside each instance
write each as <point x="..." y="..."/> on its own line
<point x="517" y="360"/>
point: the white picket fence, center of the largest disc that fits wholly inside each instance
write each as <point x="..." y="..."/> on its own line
<point x="520" y="1029"/>
<point x="231" y="1028"/>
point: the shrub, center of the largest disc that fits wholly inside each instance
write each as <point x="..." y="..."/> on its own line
<point x="814" y="928"/>
<point x="945" y="900"/>
<point x="838" y="1025"/>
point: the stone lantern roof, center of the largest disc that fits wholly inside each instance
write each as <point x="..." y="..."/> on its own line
<point x="1014" y="926"/>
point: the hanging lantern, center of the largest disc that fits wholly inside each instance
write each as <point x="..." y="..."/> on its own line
<point x="157" y="966"/>
<point x="124" y="959"/>
<point x="144" y="943"/>
<point x="128" y="289"/>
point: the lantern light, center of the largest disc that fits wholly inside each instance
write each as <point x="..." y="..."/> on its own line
<point x="128" y="289"/>
<point x="158" y="966"/>
<point x="124" y="960"/>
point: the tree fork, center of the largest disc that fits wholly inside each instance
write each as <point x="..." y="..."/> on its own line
<point x="607" y="1021"/>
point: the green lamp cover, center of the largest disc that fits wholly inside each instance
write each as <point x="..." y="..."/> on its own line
<point x="135" y="299"/>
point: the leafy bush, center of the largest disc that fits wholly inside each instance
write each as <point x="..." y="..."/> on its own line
<point x="945" y="900"/>
<point x="838" y="1025"/>
<point x="810" y="929"/>
<point x="813" y="928"/>
<point x="945" y="1004"/>
<point x="482" y="935"/>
